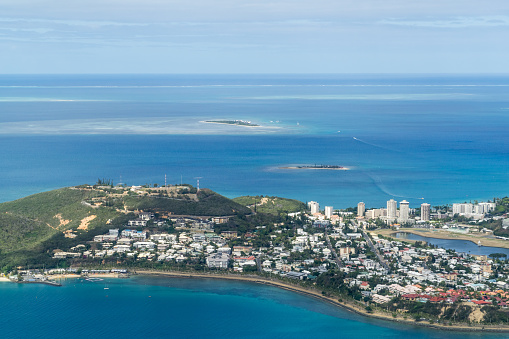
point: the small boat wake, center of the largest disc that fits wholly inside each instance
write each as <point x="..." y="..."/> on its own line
<point x="377" y="146"/>
<point x="379" y="184"/>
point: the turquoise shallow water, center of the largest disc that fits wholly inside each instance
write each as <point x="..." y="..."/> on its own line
<point x="441" y="138"/>
<point x="184" y="308"/>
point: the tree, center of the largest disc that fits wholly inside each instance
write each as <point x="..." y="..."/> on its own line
<point x="249" y="268"/>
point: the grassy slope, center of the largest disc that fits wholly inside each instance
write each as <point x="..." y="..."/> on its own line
<point x="27" y="222"/>
<point x="272" y="205"/>
<point x="30" y="228"/>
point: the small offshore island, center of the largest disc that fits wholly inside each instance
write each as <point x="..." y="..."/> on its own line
<point x="316" y="167"/>
<point x="349" y="258"/>
<point x="233" y="122"/>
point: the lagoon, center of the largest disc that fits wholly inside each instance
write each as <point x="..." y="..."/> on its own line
<point x="459" y="246"/>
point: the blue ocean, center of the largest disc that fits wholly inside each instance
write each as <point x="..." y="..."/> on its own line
<point x="150" y="307"/>
<point x="438" y="139"/>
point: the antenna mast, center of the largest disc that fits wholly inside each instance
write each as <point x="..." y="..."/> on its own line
<point x="198" y="183"/>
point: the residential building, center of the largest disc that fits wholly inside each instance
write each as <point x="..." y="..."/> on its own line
<point x="220" y="220"/>
<point x="314" y="207"/>
<point x="328" y="211"/>
<point x="392" y="207"/>
<point x="137" y="223"/>
<point x="425" y="211"/>
<point x="462" y="209"/>
<point x="361" y="208"/>
<point x="404" y="210"/>
<point x="218" y="260"/>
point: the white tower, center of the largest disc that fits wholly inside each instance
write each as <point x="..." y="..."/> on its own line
<point x="392" y="207"/>
<point x="328" y="211"/>
<point x="404" y="210"/>
<point x="314" y="207"/>
<point x="361" y="208"/>
<point x="425" y="211"/>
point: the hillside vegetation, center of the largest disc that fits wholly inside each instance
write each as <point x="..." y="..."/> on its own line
<point x="271" y="205"/>
<point x="26" y="224"/>
<point x="209" y="204"/>
<point x="30" y="227"/>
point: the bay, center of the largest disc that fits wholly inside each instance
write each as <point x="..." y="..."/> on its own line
<point x="159" y="307"/>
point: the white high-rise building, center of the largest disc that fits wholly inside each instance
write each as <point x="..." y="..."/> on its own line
<point x="462" y="208"/>
<point x="392" y="207"/>
<point x="374" y="213"/>
<point x="484" y="207"/>
<point x="361" y="208"/>
<point x="314" y="207"/>
<point x="404" y="211"/>
<point x="425" y="211"/>
<point x="328" y="211"/>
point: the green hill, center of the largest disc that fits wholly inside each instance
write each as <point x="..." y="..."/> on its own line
<point x="271" y="205"/>
<point x="208" y="203"/>
<point x="31" y="227"/>
<point x="26" y="224"/>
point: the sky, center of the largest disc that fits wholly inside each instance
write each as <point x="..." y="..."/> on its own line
<point x="254" y="36"/>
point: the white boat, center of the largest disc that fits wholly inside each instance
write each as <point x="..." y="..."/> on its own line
<point x="479" y="243"/>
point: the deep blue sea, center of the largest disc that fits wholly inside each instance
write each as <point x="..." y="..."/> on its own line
<point x="143" y="307"/>
<point x="437" y="139"/>
<point x="442" y="138"/>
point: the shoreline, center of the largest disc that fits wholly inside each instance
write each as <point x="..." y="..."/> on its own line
<point x="92" y="275"/>
<point x="358" y="309"/>
<point x="485" y="242"/>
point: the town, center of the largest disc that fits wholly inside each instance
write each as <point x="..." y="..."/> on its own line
<point x="351" y="254"/>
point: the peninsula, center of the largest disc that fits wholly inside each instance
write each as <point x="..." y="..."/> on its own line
<point x="346" y="257"/>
